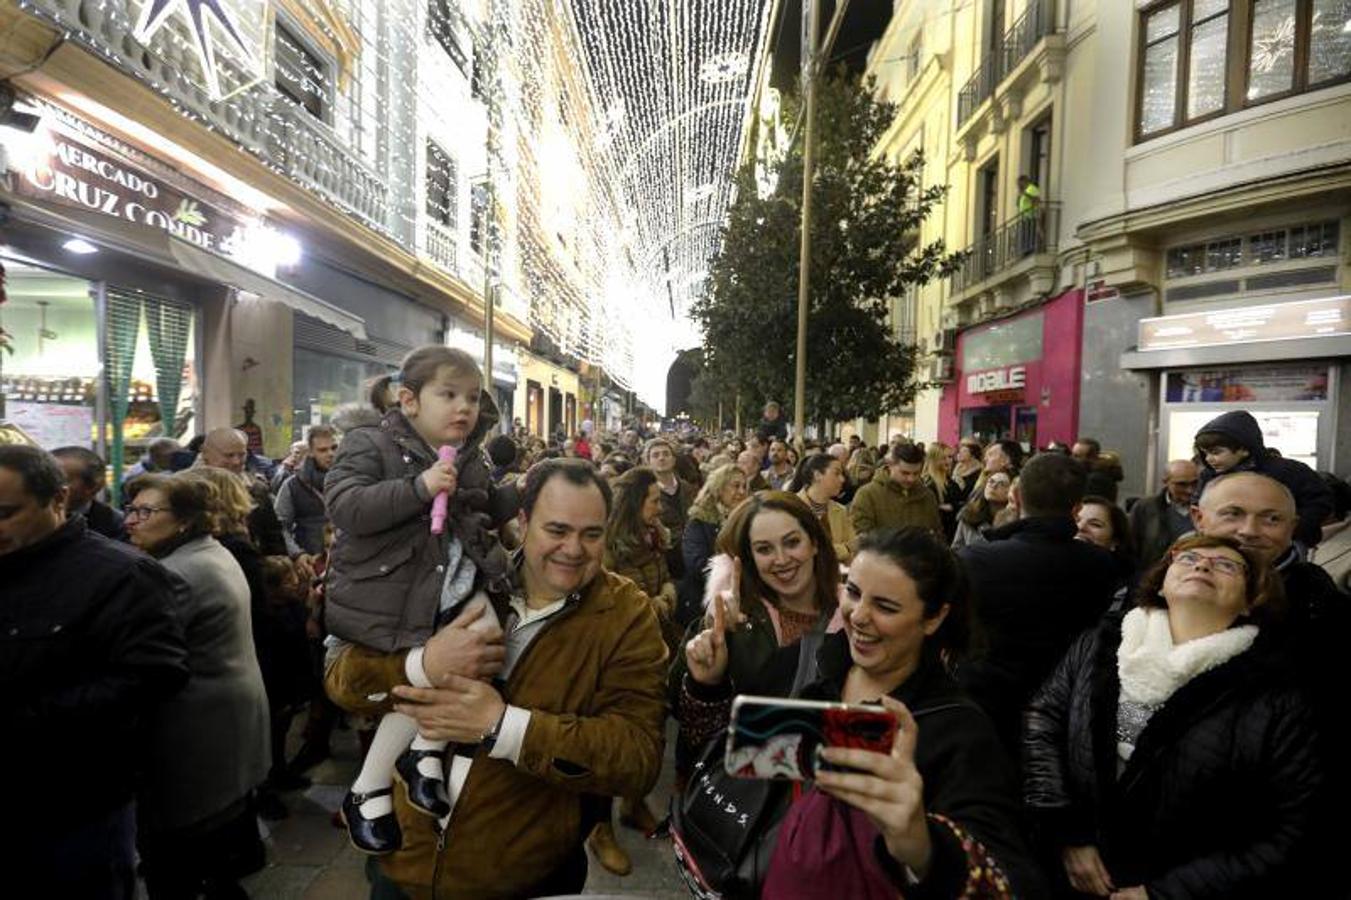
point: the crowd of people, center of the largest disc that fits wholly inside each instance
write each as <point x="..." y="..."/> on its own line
<point x="1098" y="695"/>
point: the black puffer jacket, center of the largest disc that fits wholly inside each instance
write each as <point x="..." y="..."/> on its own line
<point x="1218" y="796"/>
<point x="1313" y="498"/>
<point x="386" y="568"/>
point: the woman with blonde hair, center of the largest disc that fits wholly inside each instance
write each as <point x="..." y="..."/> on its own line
<point x="230" y="501"/>
<point x="946" y="490"/>
<point x="858" y="472"/>
<point x="724" y="489"/>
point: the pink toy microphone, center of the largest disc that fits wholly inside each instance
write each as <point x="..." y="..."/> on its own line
<point x="441" y="500"/>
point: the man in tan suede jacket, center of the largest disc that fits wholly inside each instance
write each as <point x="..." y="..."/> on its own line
<point x="579" y="716"/>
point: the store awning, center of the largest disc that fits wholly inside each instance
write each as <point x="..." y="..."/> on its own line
<point x="1329" y="347"/>
<point x="156" y="246"/>
<point x="226" y="271"/>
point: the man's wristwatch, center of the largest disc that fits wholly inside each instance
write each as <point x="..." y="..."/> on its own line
<point x="489" y="738"/>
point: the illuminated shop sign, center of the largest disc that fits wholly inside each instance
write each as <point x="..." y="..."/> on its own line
<point x="86" y="177"/>
<point x="1012" y="378"/>
<point x="1323" y="317"/>
<point x="67" y="163"/>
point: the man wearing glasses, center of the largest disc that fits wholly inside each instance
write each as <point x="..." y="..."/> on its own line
<point x="89" y="642"/>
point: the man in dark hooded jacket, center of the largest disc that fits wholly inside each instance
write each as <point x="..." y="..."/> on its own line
<point x="1232" y="442"/>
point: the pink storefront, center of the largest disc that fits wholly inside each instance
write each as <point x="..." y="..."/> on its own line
<point x="1018" y="377"/>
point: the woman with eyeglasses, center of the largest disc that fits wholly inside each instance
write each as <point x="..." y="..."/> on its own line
<point x="207" y="746"/>
<point x="980" y="511"/>
<point x="1168" y="755"/>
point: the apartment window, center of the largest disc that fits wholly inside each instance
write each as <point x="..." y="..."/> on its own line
<point x="443" y="25"/>
<point x="302" y="75"/>
<point x="1309" y="241"/>
<point x="478" y="217"/>
<point x="1329" y="41"/>
<point x="1279" y="47"/>
<point x="1183" y="63"/>
<point x="987" y="213"/>
<point x="912" y="56"/>
<point x="1295" y="45"/>
<point x="1039" y="154"/>
<point x="441" y="186"/>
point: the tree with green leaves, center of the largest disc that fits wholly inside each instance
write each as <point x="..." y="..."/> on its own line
<point x="867" y="210"/>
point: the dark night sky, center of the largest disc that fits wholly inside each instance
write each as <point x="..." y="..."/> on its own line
<point x="863" y="24"/>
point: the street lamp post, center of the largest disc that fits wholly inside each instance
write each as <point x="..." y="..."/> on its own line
<point x="811" y="57"/>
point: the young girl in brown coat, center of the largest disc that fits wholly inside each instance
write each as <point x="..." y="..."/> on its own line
<point x="391" y="581"/>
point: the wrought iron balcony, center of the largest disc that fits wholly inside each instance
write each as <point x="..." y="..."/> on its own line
<point x="1021" y="238"/>
<point x="976" y="91"/>
<point x="1036" y="22"/>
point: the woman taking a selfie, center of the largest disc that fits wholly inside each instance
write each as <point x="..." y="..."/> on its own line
<point x="938" y="815"/>
<point x="1167" y="756"/>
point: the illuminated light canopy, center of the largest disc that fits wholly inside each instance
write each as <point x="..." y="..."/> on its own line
<point x="724" y="67"/>
<point x="685" y="72"/>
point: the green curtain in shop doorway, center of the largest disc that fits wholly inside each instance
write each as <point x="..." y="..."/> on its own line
<point x="167" y="327"/>
<point x="123" y="322"/>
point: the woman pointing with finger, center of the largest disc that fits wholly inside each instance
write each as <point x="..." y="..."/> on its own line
<point x="775" y="579"/>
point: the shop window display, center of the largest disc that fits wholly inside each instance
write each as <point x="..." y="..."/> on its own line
<point x="52" y="376"/>
<point x="322" y="383"/>
<point x="49" y="375"/>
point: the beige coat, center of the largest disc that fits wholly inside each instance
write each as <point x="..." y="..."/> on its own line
<point x="842" y="533"/>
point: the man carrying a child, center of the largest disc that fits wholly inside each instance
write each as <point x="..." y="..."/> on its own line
<point x="574" y="711"/>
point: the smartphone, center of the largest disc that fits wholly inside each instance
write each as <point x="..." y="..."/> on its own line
<point x="777" y="738"/>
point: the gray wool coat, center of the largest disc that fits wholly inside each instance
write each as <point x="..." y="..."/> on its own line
<point x="208" y="744"/>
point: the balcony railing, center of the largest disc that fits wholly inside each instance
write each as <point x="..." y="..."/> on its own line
<point x="977" y="90"/>
<point x="1036" y="22"/>
<point x="1024" y="236"/>
<point x="440" y="247"/>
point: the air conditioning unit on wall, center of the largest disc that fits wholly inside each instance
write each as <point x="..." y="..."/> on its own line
<point x="940" y="370"/>
<point x="944" y="341"/>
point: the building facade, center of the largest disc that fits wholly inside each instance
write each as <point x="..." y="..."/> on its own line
<point x="290" y="196"/>
<point x="1216" y="229"/>
<point x="1190" y="161"/>
<point x="248" y="186"/>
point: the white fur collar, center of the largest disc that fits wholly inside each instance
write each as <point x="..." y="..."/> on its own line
<point x="1151" y="668"/>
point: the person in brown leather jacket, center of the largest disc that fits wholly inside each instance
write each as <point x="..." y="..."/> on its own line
<point x="584" y="666"/>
